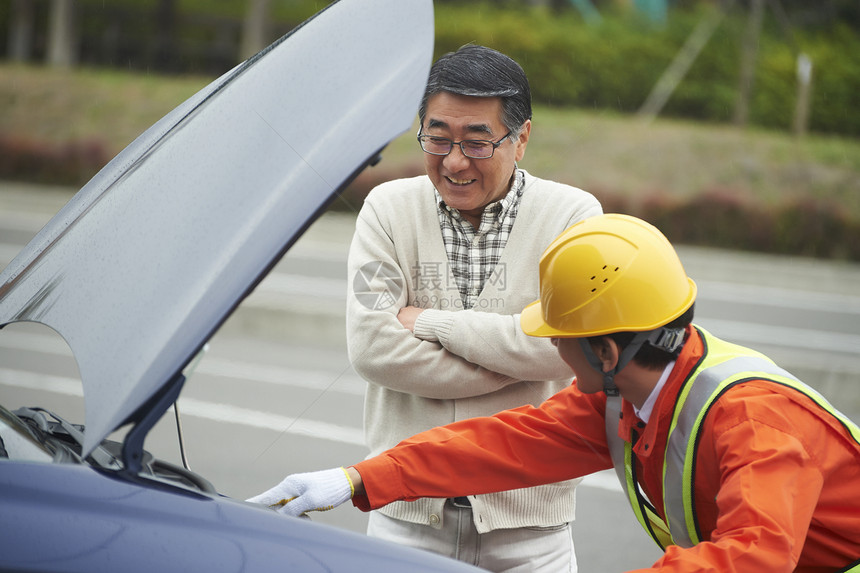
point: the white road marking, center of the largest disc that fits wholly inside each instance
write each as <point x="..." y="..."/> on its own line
<point x="200" y="409"/>
<point x="345" y="382"/>
<point x="234" y="415"/>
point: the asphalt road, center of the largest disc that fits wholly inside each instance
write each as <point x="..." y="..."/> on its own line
<point x="275" y="393"/>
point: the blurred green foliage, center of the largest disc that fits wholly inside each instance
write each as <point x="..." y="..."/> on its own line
<point x="612" y="64"/>
<point x="725" y="219"/>
<point x="615" y="64"/>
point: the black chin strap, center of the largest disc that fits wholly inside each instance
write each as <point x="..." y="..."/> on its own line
<point x="664" y="338"/>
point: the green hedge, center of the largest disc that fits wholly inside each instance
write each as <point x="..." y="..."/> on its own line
<point x="611" y="65"/>
<point x="615" y="64"/>
<point x="723" y="219"/>
<point x="720" y="218"/>
<point x="33" y="160"/>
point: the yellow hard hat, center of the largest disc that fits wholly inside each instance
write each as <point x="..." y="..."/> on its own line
<point x="609" y="273"/>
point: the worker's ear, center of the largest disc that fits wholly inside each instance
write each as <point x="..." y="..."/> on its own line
<point x="607" y="351"/>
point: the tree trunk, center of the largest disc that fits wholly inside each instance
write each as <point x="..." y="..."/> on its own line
<point x="255" y="31"/>
<point x="804" y="85"/>
<point x="749" y="55"/>
<point x="62" y="39"/>
<point x="21" y="31"/>
<point x="165" y="18"/>
<point x="680" y="65"/>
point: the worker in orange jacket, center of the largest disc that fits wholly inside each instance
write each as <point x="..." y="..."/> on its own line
<point x="730" y="463"/>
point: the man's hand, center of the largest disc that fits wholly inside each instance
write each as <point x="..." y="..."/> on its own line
<point x="408" y="315"/>
<point x="314" y="491"/>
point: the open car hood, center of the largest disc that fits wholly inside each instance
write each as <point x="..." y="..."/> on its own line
<point x="152" y="255"/>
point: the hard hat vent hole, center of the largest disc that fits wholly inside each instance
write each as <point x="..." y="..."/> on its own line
<point x="604" y="278"/>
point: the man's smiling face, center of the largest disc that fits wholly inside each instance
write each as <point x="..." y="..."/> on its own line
<point x="467" y="184"/>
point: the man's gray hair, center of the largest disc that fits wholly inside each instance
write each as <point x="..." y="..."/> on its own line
<point x="478" y="71"/>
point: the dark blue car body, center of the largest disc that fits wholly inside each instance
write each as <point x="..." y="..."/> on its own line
<point x="148" y="260"/>
<point x="65" y="517"/>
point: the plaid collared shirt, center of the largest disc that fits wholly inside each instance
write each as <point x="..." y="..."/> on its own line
<point x="474" y="254"/>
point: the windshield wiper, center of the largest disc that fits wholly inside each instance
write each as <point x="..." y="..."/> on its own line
<point x="62" y="430"/>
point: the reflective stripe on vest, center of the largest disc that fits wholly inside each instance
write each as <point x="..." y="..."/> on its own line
<point x="622" y="454"/>
<point x="722" y="366"/>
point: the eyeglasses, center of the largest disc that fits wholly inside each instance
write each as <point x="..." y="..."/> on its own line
<point x="474" y="148"/>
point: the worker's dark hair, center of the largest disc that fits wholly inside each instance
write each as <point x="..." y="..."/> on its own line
<point x="478" y="71"/>
<point x="649" y="356"/>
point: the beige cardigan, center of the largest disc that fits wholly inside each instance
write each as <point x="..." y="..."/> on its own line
<point x="459" y="363"/>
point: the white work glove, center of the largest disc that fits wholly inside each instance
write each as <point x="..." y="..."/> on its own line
<point x="314" y="491"/>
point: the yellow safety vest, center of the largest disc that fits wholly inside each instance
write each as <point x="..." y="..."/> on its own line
<point x="722" y="366"/>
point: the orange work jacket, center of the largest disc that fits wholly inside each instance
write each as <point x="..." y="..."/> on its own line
<point x="777" y="484"/>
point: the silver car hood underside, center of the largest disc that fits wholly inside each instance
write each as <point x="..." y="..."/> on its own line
<point x="149" y="258"/>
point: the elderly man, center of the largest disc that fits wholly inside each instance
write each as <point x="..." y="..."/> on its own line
<point x="442" y="264"/>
